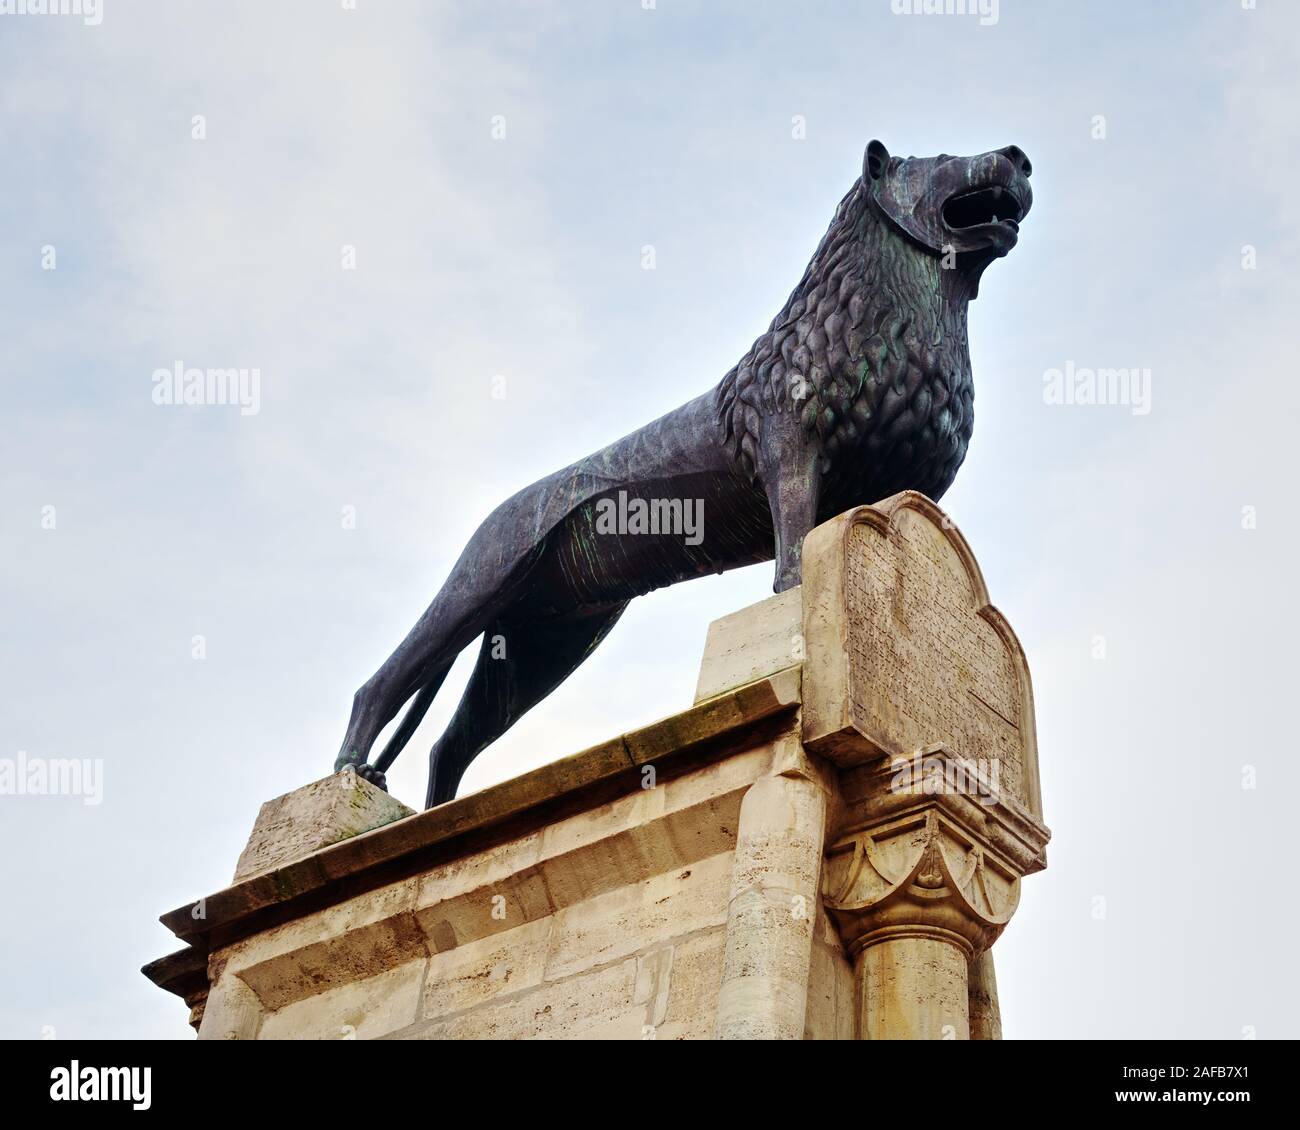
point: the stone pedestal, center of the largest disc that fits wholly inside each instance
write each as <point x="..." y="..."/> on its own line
<point x="295" y="825"/>
<point x="824" y="846"/>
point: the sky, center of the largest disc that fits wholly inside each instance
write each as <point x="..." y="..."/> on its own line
<point x="190" y="595"/>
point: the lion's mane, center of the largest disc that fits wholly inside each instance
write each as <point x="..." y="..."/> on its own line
<point x="871" y="350"/>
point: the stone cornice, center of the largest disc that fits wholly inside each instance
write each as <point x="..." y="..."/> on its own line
<point x="710" y="729"/>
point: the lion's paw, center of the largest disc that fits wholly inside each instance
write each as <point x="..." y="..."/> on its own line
<point x="373" y="775"/>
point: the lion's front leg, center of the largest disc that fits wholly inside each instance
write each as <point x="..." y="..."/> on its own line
<point x="792" y="481"/>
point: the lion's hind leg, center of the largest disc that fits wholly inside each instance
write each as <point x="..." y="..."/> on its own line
<point x="519" y="664"/>
<point x="484" y="581"/>
<point x="415" y="712"/>
<point x="416" y="669"/>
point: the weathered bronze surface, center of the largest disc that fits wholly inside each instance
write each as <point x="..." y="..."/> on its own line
<point x="860" y="388"/>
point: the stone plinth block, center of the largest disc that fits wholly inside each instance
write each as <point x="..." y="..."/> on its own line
<point x="753" y="643"/>
<point x="295" y="825"/>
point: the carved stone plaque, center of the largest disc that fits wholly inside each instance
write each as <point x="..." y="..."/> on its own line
<point x="904" y="652"/>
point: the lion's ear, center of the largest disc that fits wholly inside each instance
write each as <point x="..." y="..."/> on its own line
<point x="875" y="162"/>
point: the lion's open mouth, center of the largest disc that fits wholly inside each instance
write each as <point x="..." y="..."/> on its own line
<point x="983" y="206"/>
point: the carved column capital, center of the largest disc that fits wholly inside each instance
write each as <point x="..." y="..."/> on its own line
<point x="921" y="880"/>
<point x="919" y="875"/>
<point x="928" y="848"/>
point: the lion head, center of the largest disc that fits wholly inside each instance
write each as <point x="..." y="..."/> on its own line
<point x="968" y="206"/>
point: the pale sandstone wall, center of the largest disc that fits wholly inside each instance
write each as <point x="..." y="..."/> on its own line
<point x="755" y="867"/>
<point x="607" y="924"/>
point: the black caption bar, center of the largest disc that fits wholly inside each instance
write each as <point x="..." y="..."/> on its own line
<point x="337" y="1077"/>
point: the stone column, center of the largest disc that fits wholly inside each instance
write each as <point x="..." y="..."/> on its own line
<point x="232" y="1012"/>
<point x="913" y="986"/>
<point x="773" y="901"/>
<point x="919" y="889"/>
<point x="985" y="1014"/>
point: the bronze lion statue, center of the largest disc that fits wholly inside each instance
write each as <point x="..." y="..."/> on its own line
<point x="860" y="388"/>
